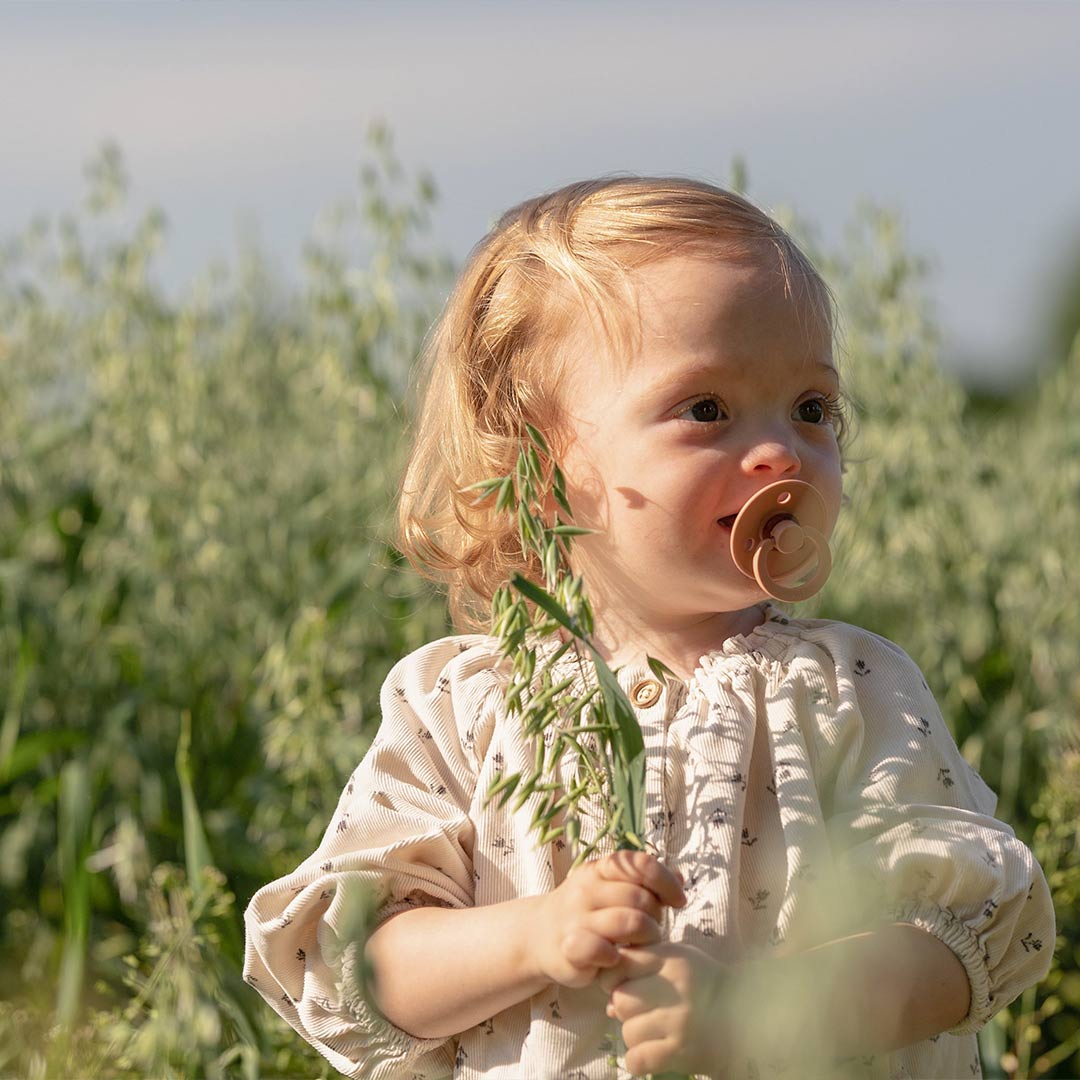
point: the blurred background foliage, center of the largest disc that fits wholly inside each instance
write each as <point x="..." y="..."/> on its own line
<point x="199" y="600"/>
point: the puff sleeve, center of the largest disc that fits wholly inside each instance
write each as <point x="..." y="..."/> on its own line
<point x="913" y="823"/>
<point x="402" y="836"/>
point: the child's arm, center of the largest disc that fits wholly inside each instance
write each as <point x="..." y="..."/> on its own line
<point x="439" y="972"/>
<point x="869" y="992"/>
<point x="863" y="994"/>
<point x="912" y="824"/>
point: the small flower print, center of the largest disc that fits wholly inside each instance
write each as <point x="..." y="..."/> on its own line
<point x="423" y="732"/>
<point x="251" y="978"/>
<point x="443" y="684"/>
<point x="488" y="1026"/>
<point x="738" y="778"/>
<point x="706" y="929"/>
<point x="285" y="921"/>
<point x="861" y="668"/>
<point x="343" y="823"/>
<point x="459" y="1061"/>
<point x="301" y="955"/>
<point x="438" y="789"/>
<point x="1030" y="942"/>
<point x="498" y="760"/>
<point x="945" y="778"/>
<point x="783" y="771"/>
<point x="974" y="1067"/>
<point x="922" y="725"/>
<point x="747" y="839"/>
<point x="990" y="858"/>
<point x="326" y="894"/>
<point x="780" y="619"/>
<point x="664" y="819"/>
<point x="554" y="1007"/>
<point x="503" y="845"/>
<point x="757" y="901"/>
<point x="326" y="867"/>
<point x="560" y="844"/>
<point x="770" y="787"/>
<point x="399" y="691"/>
<point x="691" y="881"/>
<point x="1030" y="887"/>
<point x="463" y="646"/>
<point x="718" y="816"/>
<point x="821" y="697"/>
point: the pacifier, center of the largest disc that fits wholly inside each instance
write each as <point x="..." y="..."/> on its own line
<point x="778" y="539"/>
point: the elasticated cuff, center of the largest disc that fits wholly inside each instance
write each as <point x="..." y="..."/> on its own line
<point x="964" y="942"/>
<point x="387" y="1042"/>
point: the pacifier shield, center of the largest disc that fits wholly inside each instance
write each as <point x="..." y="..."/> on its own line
<point x="778" y="539"/>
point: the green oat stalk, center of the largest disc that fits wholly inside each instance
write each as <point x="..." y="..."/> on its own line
<point x="586" y="714"/>
<point x="594" y="722"/>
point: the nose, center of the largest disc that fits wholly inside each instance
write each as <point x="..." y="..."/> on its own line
<point x="771" y="455"/>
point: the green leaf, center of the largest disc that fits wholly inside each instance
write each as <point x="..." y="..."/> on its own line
<point x="628" y="745"/>
<point x="545" y="602"/>
<point x="537" y="438"/>
<point x="659" y="668"/>
<point x="506" y="495"/>
<point x="197" y="856"/>
<point x="486" y="487"/>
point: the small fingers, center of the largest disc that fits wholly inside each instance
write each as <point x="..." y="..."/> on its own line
<point x="585" y="949"/>
<point x="624" y="894"/>
<point x="644" y="869"/>
<point x="626" y="926"/>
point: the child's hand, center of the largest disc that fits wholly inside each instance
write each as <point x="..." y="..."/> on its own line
<point x="670" y="999"/>
<point x="617" y="899"/>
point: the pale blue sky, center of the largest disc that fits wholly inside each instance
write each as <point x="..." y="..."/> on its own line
<point x="961" y="115"/>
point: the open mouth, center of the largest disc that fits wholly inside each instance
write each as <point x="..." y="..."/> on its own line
<point x="727" y="522"/>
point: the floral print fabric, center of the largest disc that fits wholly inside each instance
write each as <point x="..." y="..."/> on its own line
<point x="803" y="782"/>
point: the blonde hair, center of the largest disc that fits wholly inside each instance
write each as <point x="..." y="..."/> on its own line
<point x="491" y="363"/>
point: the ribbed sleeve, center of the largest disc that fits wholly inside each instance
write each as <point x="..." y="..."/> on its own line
<point x="913" y="824"/>
<point x="401" y="836"/>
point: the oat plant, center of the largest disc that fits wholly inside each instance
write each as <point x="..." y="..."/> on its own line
<point x="574" y="707"/>
<point x="565" y="708"/>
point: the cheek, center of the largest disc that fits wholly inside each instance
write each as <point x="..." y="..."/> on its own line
<point x="585" y="487"/>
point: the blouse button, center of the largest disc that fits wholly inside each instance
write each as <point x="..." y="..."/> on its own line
<point x="646" y="693"/>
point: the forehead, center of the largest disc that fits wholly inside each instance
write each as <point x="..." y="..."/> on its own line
<point x="704" y="307"/>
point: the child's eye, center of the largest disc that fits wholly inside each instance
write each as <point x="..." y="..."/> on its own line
<point x="704" y="411"/>
<point x="817" y="410"/>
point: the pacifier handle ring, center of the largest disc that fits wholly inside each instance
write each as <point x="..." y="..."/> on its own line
<point x="794" y="592"/>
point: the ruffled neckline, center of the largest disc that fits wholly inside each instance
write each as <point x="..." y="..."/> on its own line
<point x="772" y="638"/>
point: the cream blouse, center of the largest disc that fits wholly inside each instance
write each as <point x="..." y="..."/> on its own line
<point x="803" y="782"/>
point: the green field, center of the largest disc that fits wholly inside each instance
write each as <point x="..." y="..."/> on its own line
<point x="199" y="600"/>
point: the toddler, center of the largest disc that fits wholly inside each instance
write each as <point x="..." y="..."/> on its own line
<point x="822" y="874"/>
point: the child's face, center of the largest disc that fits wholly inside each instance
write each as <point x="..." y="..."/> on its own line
<point x="729" y="392"/>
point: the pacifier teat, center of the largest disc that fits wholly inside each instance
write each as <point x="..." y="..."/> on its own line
<point x="778" y="539"/>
